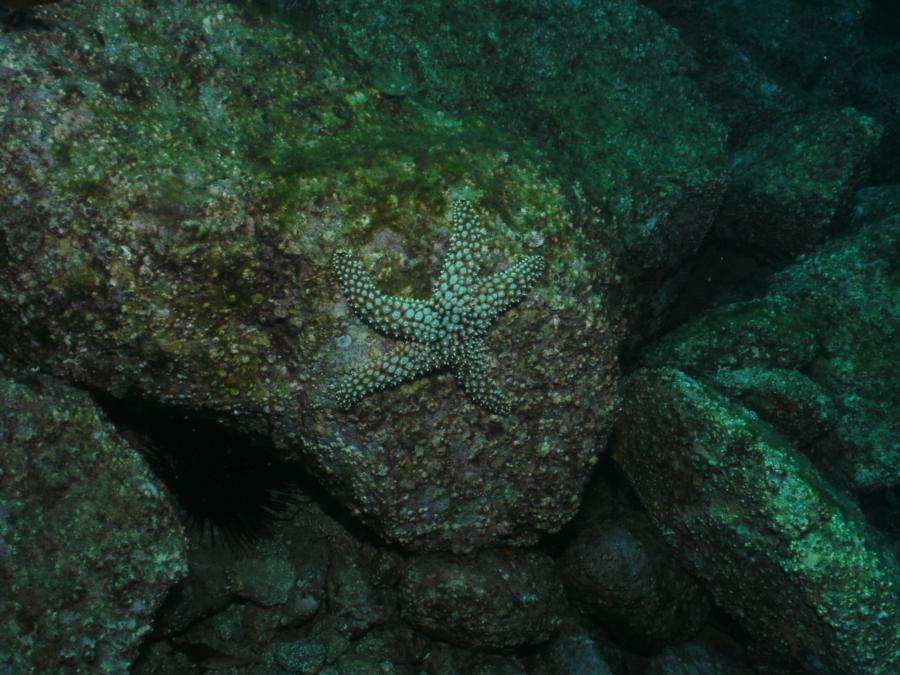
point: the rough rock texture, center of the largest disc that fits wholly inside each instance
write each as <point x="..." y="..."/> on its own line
<point x="779" y="549"/>
<point x="579" y="648"/>
<point x="816" y="357"/>
<point x="308" y="594"/>
<point x="710" y="654"/>
<point x="792" y="185"/>
<point x="620" y="573"/>
<point x="174" y="179"/>
<point x="489" y="600"/>
<point x="89" y="543"/>
<point x="759" y="62"/>
<point x="584" y="80"/>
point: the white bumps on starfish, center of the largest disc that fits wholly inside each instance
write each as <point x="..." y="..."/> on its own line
<point x="446" y="331"/>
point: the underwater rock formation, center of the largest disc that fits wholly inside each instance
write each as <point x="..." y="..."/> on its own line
<point x="89" y="542"/>
<point x="816" y="356"/>
<point x="618" y="571"/>
<point x="792" y="185"/>
<point x="776" y="546"/>
<point x="170" y="243"/>
<point x="491" y="599"/>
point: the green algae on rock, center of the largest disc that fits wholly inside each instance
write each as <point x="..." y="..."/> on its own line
<point x="171" y="244"/>
<point x="89" y="542"/>
<point x="770" y="539"/>
<point x="581" y="81"/>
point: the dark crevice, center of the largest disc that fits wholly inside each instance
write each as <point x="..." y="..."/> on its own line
<point x="233" y="488"/>
<point x="884" y="18"/>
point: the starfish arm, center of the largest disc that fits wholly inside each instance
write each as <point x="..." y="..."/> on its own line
<point x="509" y="287"/>
<point x="464" y="254"/>
<point x="471" y="368"/>
<point x="407" y="362"/>
<point x="448" y="329"/>
<point x="402" y="318"/>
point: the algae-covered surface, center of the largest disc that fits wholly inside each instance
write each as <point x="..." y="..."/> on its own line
<point x="407" y="305"/>
<point x="89" y="541"/>
<point x="773" y="541"/>
<point x="170" y="239"/>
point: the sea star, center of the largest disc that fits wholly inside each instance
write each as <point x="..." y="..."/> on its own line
<point x="446" y="331"/>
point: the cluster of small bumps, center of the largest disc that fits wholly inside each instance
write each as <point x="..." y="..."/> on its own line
<point x="446" y="331"/>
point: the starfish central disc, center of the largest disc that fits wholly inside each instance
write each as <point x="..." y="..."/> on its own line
<point x="447" y="330"/>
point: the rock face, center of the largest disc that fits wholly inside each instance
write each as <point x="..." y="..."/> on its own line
<point x="793" y="185"/>
<point x="584" y="81"/>
<point x="89" y="544"/>
<point x="491" y="600"/>
<point x="622" y="576"/>
<point x="172" y="243"/>
<point x="779" y="549"/>
<point x="815" y="357"/>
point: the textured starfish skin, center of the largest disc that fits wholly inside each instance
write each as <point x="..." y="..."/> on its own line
<point x="446" y="331"/>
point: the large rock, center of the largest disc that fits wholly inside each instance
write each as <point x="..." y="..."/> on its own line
<point x="493" y="599"/>
<point x="793" y="184"/>
<point x="89" y="542"/>
<point x="816" y="356"/>
<point x="584" y="80"/>
<point x="619" y="573"/>
<point x="786" y="555"/>
<point x="174" y="181"/>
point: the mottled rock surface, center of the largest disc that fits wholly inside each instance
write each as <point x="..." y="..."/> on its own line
<point x="89" y="543"/>
<point x="620" y="573"/>
<point x="817" y="356"/>
<point x="778" y="548"/>
<point x="171" y="242"/>
<point x="489" y="600"/>
<point x="792" y="185"/>
<point x="584" y="80"/>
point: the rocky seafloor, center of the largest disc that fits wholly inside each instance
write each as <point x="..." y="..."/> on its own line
<point x="700" y="469"/>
